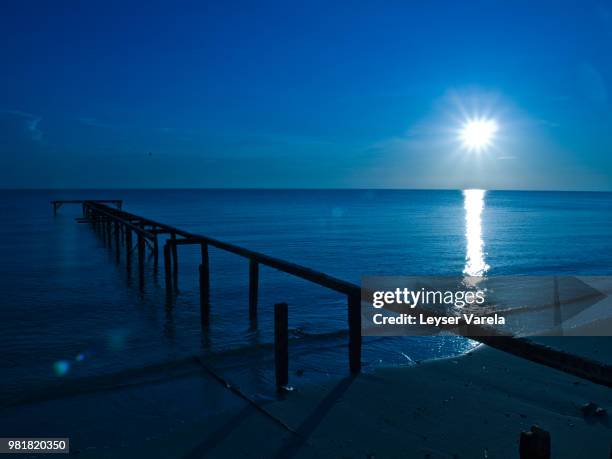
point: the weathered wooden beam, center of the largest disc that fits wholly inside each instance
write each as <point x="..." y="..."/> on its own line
<point x="308" y="274"/>
<point x="160" y="231"/>
<point x="82" y="201"/>
<point x="583" y="367"/>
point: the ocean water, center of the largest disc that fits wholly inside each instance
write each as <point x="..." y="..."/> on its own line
<point x="70" y="310"/>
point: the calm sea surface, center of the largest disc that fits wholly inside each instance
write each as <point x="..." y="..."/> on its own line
<point x="69" y="310"/>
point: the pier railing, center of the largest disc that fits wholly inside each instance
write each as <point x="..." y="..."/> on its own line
<point x="111" y="221"/>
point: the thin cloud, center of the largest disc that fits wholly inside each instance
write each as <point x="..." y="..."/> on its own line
<point x="30" y="123"/>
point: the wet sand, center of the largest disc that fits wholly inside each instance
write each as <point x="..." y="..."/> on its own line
<point x="473" y="406"/>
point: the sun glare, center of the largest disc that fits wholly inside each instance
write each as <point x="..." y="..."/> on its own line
<point x="478" y="134"/>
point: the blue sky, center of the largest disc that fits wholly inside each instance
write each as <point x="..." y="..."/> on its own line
<point x="308" y="94"/>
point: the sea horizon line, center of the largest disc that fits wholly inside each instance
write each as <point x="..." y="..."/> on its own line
<point x="530" y="190"/>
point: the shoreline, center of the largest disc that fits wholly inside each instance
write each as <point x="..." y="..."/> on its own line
<point x="474" y="405"/>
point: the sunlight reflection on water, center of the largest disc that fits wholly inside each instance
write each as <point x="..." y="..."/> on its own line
<point x="473" y="203"/>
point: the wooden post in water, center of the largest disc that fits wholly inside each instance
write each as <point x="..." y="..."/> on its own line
<point x="117" y="241"/>
<point x="253" y="289"/>
<point x="141" y="257"/>
<point x="204" y="300"/>
<point x="204" y="287"/>
<point x="128" y="248"/>
<point x="354" y="322"/>
<point x="108" y="230"/>
<point x="167" y="268"/>
<point x="534" y="444"/>
<point x="155" y="253"/>
<point x="174" y="262"/>
<point x="281" y="345"/>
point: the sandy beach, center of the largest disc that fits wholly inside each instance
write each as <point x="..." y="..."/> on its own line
<point x="473" y="406"/>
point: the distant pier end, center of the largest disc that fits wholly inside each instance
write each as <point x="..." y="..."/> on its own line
<point x="118" y="203"/>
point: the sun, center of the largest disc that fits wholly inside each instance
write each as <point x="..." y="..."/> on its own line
<point x="478" y="134"/>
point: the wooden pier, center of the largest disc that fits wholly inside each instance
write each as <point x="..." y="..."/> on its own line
<point x="111" y="221"/>
<point x="115" y="224"/>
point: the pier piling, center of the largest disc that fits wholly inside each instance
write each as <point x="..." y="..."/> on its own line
<point x="534" y="444"/>
<point x="204" y="296"/>
<point x="118" y="241"/>
<point x="174" y="261"/>
<point x="281" y="345"/>
<point x="354" y="322"/>
<point x="141" y="256"/>
<point x="128" y="248"/>
<point x="155" y="253"/>
<point x="167" y="268"/>
<point x="108" y="231"/>
<point x="253" y="289"/>
<point x="204" y="287"/>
